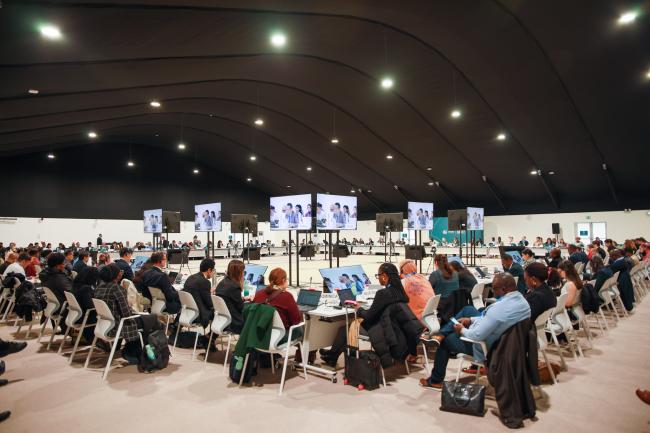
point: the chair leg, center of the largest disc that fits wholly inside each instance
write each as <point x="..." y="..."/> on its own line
<point x="426" y="357"/>
<point x="600" y="311"/>
<point x="54" y="328"/>
<point x="90" y="352"/>
<point x="29" y="329"/>
<point x="559" y="349"/>
<point x="460" y="367"/>
<point x="548" y="366"/>
<point x="178" y="330"/>
<point x="207" y="352"/>
<point x="22" y="322"/>
<point x="167" y="326"/>
<point x="272" y="363"/>
<point x="408" y="370"/>
<point x="284" y="369"/>
<point x="383" y="376"/>
<point x="42" y="330"/>
<point x="196" y="340"/>
<point x="574" y="335"/>
<point x="110" y="357"/>
<point x="225" y="362"/>
<point x="243" y="372"/>
<point x="76" y="345"/>
<point x="65" y="335"/>
<point x="305" y="360"/>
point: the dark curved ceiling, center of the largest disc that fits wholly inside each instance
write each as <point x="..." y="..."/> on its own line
<point x="562" y="80"/>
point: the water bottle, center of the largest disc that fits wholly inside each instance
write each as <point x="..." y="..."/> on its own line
<point x="150" y="352"/>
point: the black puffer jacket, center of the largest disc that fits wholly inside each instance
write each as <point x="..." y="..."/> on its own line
<point x="395" y="334"/>
<point x="57" y="281"/>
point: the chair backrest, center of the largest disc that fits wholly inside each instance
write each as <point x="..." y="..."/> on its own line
<point x="579" y="267"/>
<point x="540" y="325"/>
<point x="477" y="295"/>
<point x="560" y="315"/>
<point x="105" y="319"/>
<point x="53" y="303"/>
<point x="609" y="282"/>
<point x="222" y="317"/>
<point x="158" y="301"/>
<point x="74" y="310"/>
<point x="430" y="314"/>
<point x="189" y="310"/>
<point x="73" y="275"/>
<point x="277" y="332"/>
<point x="131" y="292"/>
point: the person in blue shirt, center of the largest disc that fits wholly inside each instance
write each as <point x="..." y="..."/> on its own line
<point x="576" y="255"/>
<point x="488" y="327"/>
<point x="358" y="284"/>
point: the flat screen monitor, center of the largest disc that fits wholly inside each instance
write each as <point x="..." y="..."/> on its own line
<point x="207" y="217"/>
<point x="153" y="221"/>
<point x="254" y="275"/>
<point x="345" y="277"/>
<point x="516" y="256"/>
<point x="171" y="221"/>
<point x="456" y="219"/>
<point x="474" y="218"/>
<point x="390" y="222"/>
<point x="243" y="223"/>
<point x="137" y="263"/>
<point x="291" y="212"/>
<point x="336" y="212"/>
<point x="420" y="216"/>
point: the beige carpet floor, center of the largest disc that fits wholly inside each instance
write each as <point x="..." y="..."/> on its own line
<point x="45" y="394"/>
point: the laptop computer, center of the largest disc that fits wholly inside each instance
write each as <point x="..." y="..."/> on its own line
<point x="345" y="295"/>
<point x="172" y="277"/>
<point x="308" y="300"/>
<point x="480" y="272"/>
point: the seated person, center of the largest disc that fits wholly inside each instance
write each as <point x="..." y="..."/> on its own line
<point x="556" y="257"/>
<point x="69" y="258"/>
<point x="539" y="294"/>
<point x="276" y="295"/>
<point x="417" y="287"/>
<point x="466" y="280"/>
<point x="18" y="264"/>
<point x="230" y="289"/>
<point x="54" y="276"/>
<point x="444" y="279"/>
<point x="198" y="285"/>
<point x="515" y="270"/>
<point x="155" y="277"/>
<point x="573" y="285"/>
<point x="9" y="259"/>
<point x="83" y="289"/>
<point x="576" y="255"/>
<point x="496" y="320"/>
<point x="528" y="256"/>
<point x="598" y="272"/>
<point x="393" y="293"/>
<point x="82" y="261"/>
<point x="618" y="263"/>
<point x="124" y="263"/>
<point x="34" y="263"/>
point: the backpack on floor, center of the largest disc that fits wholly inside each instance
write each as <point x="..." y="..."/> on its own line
<point x="362" y="369"/>
<point x="155" y="355"/>
<point x="237" y="365"/>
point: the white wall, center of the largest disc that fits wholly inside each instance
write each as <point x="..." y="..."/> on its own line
<point x="620" y="226"/>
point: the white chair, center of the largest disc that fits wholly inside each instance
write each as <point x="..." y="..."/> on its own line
<point x="53" y="311"/>
<point x="158" y="306"/>
<point x="9" y="295"/>
<point x="580" y="266"/>
<point x="218" y="325"/>
<point x="277" y="332"/>
<point x="477" y="295"/>
<point x="608" y="295"/>
<point x="542" y="344"/>
<point x="560" y="323"/>
<point x="105" y="323"/>
<point x="581" y="321"/>
<point x="187" y="318"/>
<point x="431" y="322"/>
<point x="75" y="313"/>
<point x="463" y="357"/>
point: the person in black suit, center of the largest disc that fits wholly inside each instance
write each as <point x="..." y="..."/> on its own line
<point x="165" y="242"/>
<point x="230" y="289"/>
<point x="198" y="285"/>
<point x="576" y="255"/>
<point x="540" y="297"/>
<point x="155" y="277"/>
<point x="124" y="263"/>
<point x="100" y="242"/>
<point x="556" y="257"/>
<point x="516" y="270"/>
<point x="82" y="261"/>
<point x="617" y="263"/>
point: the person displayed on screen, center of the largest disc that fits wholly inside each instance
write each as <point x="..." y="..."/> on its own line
<point x="411" y="220"/>
<point x="347" y="282"/>
<point x="354" y="213"/>
<point x="346" y="214"/>
<point x="427" y="219"/>
<point x="207" y="222"/>
<point x="366" y="280"/>
<point x="251" y="276"/>
<point x="213" y="216"/>
<point x="337" y="215"/>
<point x="321" y="219"/>
<point x="299" y="215"/>
<point x="358" y="284"/>
<point x="291" y="216"/>
<point x="197" y="221"/>
<point x="308" y="212"/>
<point x="422" y="221"/>
<point x="273" y="218"/>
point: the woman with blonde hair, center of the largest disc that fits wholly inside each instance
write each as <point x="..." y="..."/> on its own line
<point x="417" y="287"/>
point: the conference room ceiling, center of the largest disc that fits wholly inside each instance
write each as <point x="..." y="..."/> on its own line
<point x="565" y="83"/>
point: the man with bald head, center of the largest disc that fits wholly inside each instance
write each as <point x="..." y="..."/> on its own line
<point x="511" y="308"/>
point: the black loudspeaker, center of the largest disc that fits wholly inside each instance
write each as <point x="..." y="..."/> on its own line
<point x="393" y="221"/>
<point x="171" y="221"/>
<point x="456" y="219"/>
<point x="556" y="228"/>
<point x="414" y="252"/>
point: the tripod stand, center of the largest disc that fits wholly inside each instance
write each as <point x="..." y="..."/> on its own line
<point x="433" y="255"/>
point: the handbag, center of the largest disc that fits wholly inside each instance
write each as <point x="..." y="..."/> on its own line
<point x="465" y="398"/>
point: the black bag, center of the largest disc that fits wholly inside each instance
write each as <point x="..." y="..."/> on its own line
<point x="589" y="299"/>
<point x="465" y="398"/>
<point x="251" y="368"/>
<point x="186" y="340"/>
<point x="157" y="345"/>
<point x="362" y="368"/>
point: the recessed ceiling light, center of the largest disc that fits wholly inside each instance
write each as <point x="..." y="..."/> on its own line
<point x="387" y="83"/>
<point x="352" y="190"/>
<point x="389" y="156"/>
<point x="50" y="156"/>
<point x="429" y="168"/>
<point x="181" y="146"/>
<point x="647" y="75"/>
<point x="369" y="190"/>
<point x="335" y="140"/>
<point x="288" y="186"/>
<point x="430" y="184"/>
<point x="533" y="172"/>
<point x="195" y="171"/>
<point x="253" y="157"/>
<point x="501" y="137"/>
<point x="50" y="31"/>
<point x="551" y="172"/>
<point x="35" y="91"/>
<point x="627" y="18"/>
<point x="92" y="134"/>
<point x="278" y="39"/>
<point x="308" y="168"/>
<point x="248" y="179"/>
<point x="155" y="104"/>
<point x="259" y="122"/>
<point x="130" y="163"/>
<point x="456" y="114"/>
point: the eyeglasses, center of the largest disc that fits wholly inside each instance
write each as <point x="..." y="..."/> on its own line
<point x="377" y="275"/>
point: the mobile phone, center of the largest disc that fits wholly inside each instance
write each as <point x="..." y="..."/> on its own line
<point x="454" y="321"/>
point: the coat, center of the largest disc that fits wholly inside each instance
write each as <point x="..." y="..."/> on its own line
<point x="230" y="292"/>
<point x="57" y="281"/>
<point x="395" y="334"/>
<point x="258" y="321"/>
<point x="115" y="297"/>
<point x="512" y="367"/>
<point x="452" y="304"/>
<point x="624" y="282"/>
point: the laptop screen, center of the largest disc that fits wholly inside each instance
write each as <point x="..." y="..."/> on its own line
<point x="345" y="277"/>
<point x="309" y="298"/>
<point x="346" y="295"/>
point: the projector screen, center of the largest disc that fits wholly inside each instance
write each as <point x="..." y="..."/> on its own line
<point x="153" y="221"/>
<point x="345" y="277"/>
<point x="474" y="218"/>
<point x="290" y="212"/>
<point x="207" y="217"/>
<point x="420" y="216"/>
<point x="336" y="212"/>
